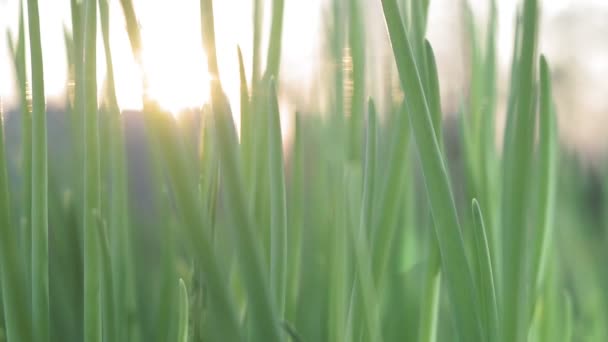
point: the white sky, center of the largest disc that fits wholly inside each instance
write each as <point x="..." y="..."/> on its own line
<point x="175" y="60"/>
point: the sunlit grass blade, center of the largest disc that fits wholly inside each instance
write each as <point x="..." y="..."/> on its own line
<point x="278" y="210"/>
<point x="518" y="150"/>
<point x="40" y="246"/>
<point x="208" y="37"/>
<point x="455" y="266"/>
<point x="183" y="313"/>
<point x="484" y="274"/>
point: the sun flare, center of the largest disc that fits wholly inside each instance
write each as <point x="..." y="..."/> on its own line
<point x="174" y="64"/>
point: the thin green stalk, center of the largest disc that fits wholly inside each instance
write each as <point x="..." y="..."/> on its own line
<point x="547" y="185"/>
<point x="40" y="241"/>
<point x="278" y="210"/>
<point x="257" y="38"/>
<point x="182" y="335"/>
<point x="120" y="230"/>
<point x="19" y="61"/>
<point x="357" y="49"/>
<point x="518" y="151"/>
<point x="485" y="274"/>
<point x="364" y="292"/>
<point x="92" y="197"/>
<point x="274" y="44"/>
<point x="455" y="265"/>
<point x="430" y="309"/>
<point x="208" y="36"/>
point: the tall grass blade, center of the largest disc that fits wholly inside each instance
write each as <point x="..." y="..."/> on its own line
<point x="484" y="274"/>
<point x="547" y="178"/>
<point x="455" y="266"/>
<point x="40" y="244"/>
<point x="92" y="205"/>
<point x="278" y="210"/>
<point x="274" y="44"/>
<point x="518" y="151"/>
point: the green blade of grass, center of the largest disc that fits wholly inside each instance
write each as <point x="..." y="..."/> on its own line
<point x="547" y="185"/>
<point x="40" y="246"/>
<point x="246" y="131"/>
<point x="485" y="274"/>
<point x="278" y="214"/>
<point x="208" y="36"/>
<point x="274" y="44"/>
<point x="357" y="49"/>
<point x="455" y="266"/>
<point x="19" y="61"/>
<point x="92" y="197"/>
<point x="432" y="283"/>
<point x="518" y="149"/>
<point x="434" y="96"/>
<point x="182" y="335"/>
<point x="108" y="292"/>
<point x="120" y="229"/>
<point x="257" y="38"/>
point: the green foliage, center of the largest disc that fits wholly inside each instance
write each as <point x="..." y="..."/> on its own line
<point x="354" y="232"/>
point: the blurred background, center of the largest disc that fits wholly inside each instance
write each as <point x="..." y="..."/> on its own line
<point x="573" y="36"/>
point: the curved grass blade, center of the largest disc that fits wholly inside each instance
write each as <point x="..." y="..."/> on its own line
<point x="485" y="274"/>
<point x="455" y="266"/>
<point x="182" y="335"/>
<point x="39" y="220"/>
